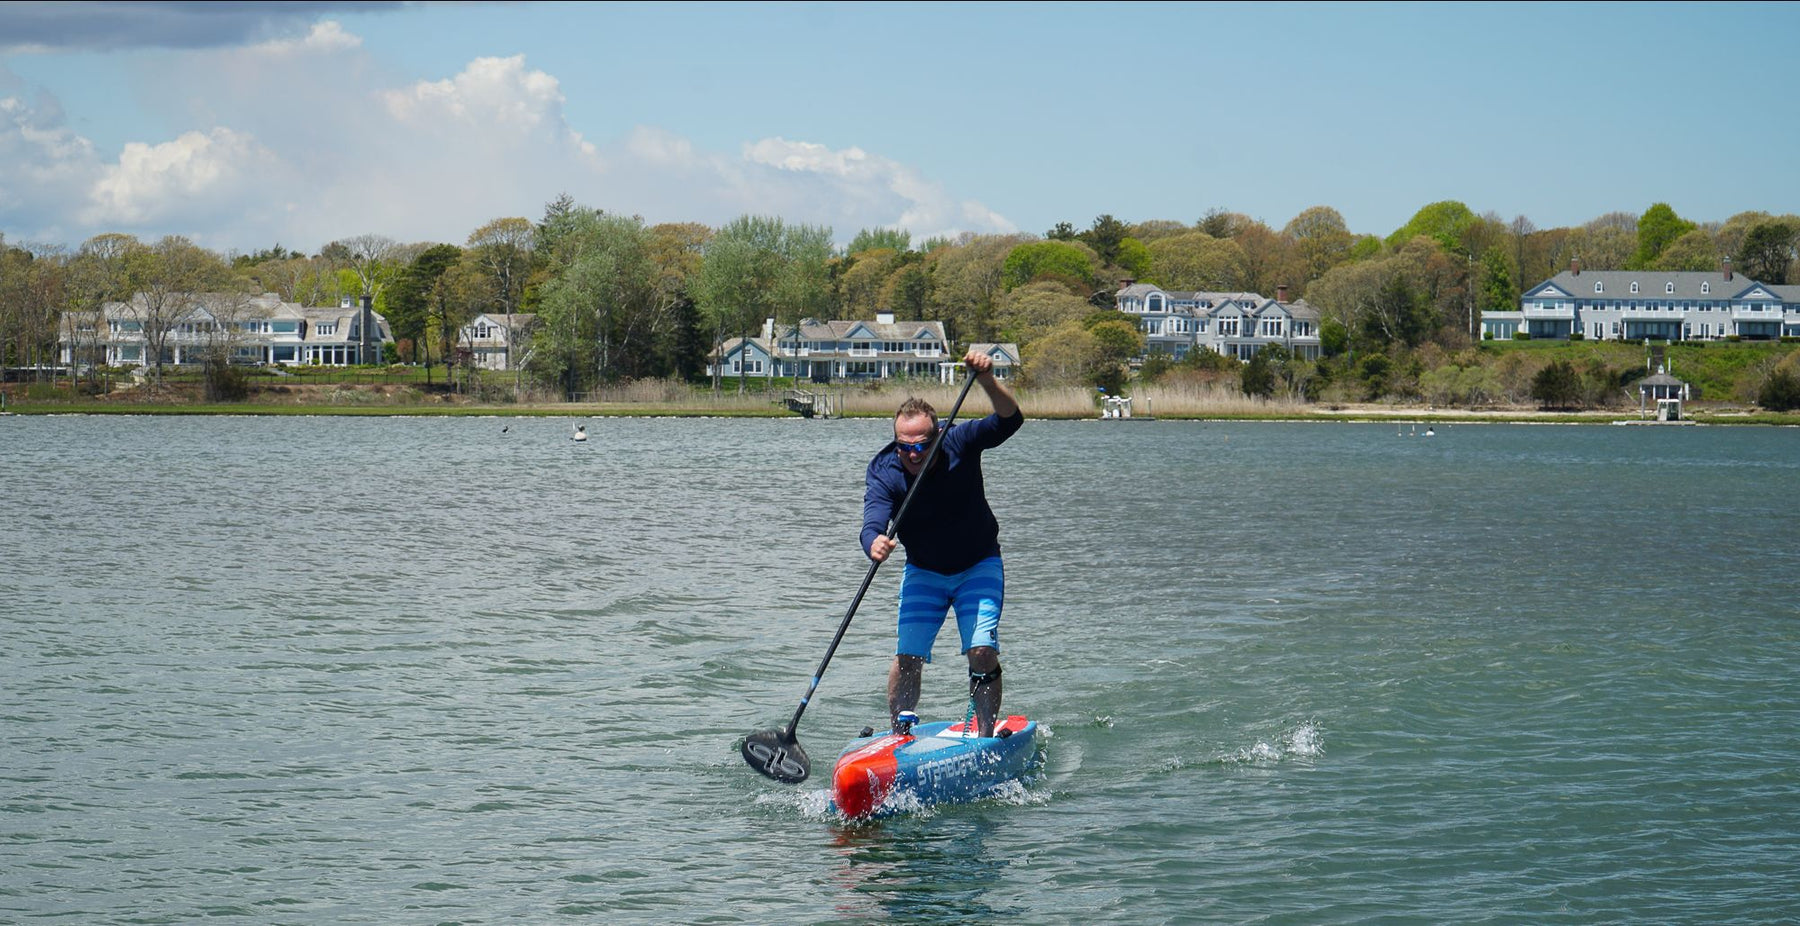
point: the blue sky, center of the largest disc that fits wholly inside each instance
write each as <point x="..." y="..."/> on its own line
<point x="242" y="124"/>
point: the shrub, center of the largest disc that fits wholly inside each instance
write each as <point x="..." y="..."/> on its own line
<point x="1521" y="335"/>
<point x="1780" y="392"/>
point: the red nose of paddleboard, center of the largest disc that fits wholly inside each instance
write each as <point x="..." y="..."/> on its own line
<point x="864" y="777"/>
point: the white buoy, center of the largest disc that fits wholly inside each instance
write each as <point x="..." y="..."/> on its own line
<point x="581" y="432"/>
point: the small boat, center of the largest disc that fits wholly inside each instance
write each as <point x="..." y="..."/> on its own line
<point x="933" y="763"/>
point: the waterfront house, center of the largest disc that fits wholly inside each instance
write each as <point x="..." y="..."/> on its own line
<point x="1005" y="355"/>
<point x="194" y="327"/>
<point x="498" y="340"/>
<point x="822" y="351"/>
<point x="1236" y="324"/>
<point x="1666" y="305"/>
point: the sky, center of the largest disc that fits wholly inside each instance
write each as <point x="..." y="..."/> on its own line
<point x="246" y="124"/>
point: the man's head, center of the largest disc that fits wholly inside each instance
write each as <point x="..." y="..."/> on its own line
<point x="914" y="426"/>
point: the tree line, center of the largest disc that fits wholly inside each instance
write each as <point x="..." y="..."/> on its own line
<point x="617" y="298"/>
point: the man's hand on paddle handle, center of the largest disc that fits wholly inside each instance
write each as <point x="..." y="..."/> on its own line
<point x="880" y="547"/>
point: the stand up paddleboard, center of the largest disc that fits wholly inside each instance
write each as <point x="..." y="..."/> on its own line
<point x="933" y="763"/>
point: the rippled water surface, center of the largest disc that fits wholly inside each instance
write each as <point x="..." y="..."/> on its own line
<point x="470" y="671"/>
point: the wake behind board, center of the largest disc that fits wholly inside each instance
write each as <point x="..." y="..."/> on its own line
<point x="935" y="763"/>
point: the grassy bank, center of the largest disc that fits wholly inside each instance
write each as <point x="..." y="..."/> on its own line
<point x="1179" y="401"/>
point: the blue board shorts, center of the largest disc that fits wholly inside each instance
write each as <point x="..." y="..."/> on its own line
<point x="926" y="598"/>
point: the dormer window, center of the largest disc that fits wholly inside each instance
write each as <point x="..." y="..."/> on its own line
<point x="1669" y="287"/>
<point x="1599" y="287"/>
<point x="1634" y="288"/>
<point x="1705" y="288"/>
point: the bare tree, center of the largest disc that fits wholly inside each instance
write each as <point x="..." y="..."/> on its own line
<point x="368" y="256"/>
<point x="167" y="276"/>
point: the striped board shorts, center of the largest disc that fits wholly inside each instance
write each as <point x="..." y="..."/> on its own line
<point x="926" y="598"/>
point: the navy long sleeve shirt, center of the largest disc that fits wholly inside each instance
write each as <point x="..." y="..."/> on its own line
<point x="949" y="526"/>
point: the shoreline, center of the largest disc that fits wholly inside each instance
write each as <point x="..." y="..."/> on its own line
<point x="1363" y="414"/>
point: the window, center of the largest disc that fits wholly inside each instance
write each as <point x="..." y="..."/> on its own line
<point x="1705" y="288"/>
<point x="325" y="328"/>
<point x="1599" y="287"/>
<point x="1669" y="287"/>
<point x="1634" y="288"/>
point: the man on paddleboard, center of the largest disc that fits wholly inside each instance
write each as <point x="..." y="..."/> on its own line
<point x="951" y="537"/>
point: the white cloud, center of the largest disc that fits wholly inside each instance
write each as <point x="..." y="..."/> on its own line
<point x="496" y="92"/>
<point x="47" y="166"/>
<point x="189" y="178"/>
<point x="324" y="38"/>
<point x="306" y="141"/>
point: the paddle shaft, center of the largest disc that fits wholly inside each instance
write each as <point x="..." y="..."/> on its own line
<point x="893" y="526"/>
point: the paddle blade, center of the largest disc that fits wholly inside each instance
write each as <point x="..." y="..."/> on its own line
<point x="776" y="756"/>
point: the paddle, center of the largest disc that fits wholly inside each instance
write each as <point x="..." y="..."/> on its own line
<point x="777" y="753"/>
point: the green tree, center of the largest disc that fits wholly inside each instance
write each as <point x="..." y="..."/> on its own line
<point x="1065" y="261"/>
<point x="598" y="311"/>
<point x="1134" y="258"/>
<point x="1657" y="228"/>
<point x="1780" y="392"/>
<point x="1694" y="251"/>
<point x="759" y="267"/>
<point x="1033" y="310"/>
<point x="1321" y="240"/>
<point x="1196" y="261"/>
<point x="1258" y="376"/>
<point x="967" y="282"/>
<point x="409" y="301"/>
<point x="908" y="291"/>
<point x="502" y="249"/>
<point x="1498" y="294"/>
<point x="1105" y="236"/>
<point x="1119" y="340"/>
<point x="1066" y="354"/>
<point x="1768" y="251"/>
<point x="1557" y="385"/>
<point x="898" y="240"/>
<point x="1445" y="222"/>
<point x="1219" y="223"/>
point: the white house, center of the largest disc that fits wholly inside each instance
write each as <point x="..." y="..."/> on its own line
<point x="881" y="349"/>
<point x="249" y="329"/>
<point x="498" y="341"/>
<point x="1236" y="324"/>
<point x="1004" y="353"/>
<point x="1665" y="305"/>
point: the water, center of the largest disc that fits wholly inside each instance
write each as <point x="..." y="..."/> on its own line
<point x="469" y="671"/>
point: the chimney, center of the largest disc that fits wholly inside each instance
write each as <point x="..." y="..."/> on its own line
<point x="1126" y="283"/>
<point x="1725" y="268"/>
<point x="768" y="329"/>
<point x="362" y="342"/>
<point x="1575" y="266"/>
<point x="1281" y="293"/>
<point x="884" y="318"/>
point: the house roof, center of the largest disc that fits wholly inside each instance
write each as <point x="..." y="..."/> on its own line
<point x="1652" y="284"/>
<point x="1007" y="348"/>
<point x="811" y="329"/>
<point x="507" y="320"/>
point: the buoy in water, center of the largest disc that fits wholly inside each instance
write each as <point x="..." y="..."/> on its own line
<point x="581" y="432"/>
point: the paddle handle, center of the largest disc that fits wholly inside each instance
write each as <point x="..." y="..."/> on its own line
<point x="893" y="527"/>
